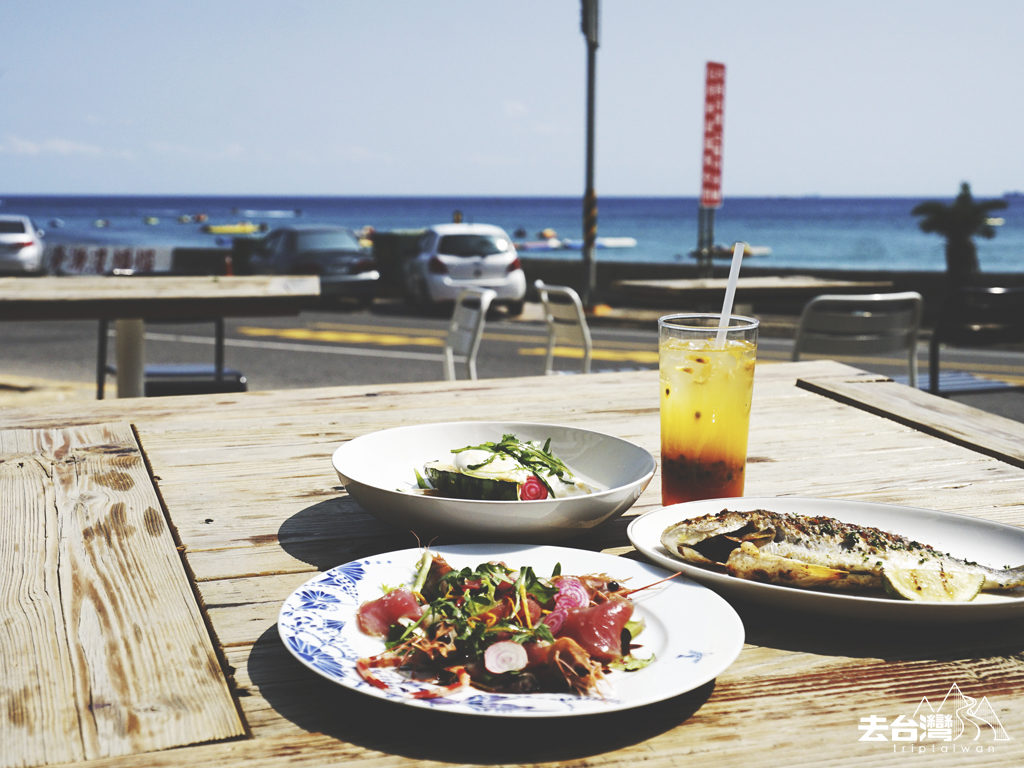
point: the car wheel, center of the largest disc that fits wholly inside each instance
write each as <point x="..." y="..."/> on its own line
<point x="416" y="291"/>
<point x="515" y="308"/>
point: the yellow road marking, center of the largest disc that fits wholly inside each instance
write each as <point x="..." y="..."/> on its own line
<point x="355" y="327"/>
<point x="521" y="338"/>
<point x="355" y="334"/>
<point x="343" y="337"/>
<point x="605" y="355"/>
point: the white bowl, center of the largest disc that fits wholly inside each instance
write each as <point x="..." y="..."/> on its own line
<point x="375" y="468"/>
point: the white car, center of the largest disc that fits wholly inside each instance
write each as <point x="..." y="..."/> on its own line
<point x="453" y="256"/>
<point x="21" y="246"/>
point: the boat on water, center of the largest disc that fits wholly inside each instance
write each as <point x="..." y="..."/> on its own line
<point x="238" y="228"/>
<point x="571" y="244"/>
<point x="273" y="213"/>
<point x="725" y="251"/>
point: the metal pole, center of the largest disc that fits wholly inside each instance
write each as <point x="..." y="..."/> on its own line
<point x="705" y="241"/>
<point x="589" y="25"/>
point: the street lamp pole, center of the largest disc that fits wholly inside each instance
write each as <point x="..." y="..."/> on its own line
<point x="589" y="26"/>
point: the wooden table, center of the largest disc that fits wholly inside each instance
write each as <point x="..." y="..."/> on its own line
<point x="147" y="546"/>
<point x="748" y="289"/>
<point x="133" y="299"/>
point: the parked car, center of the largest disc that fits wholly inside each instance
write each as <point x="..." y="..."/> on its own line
<point x="453" y="256"/>
<point x="21" y="246"/>
<point x="346" y="268"/>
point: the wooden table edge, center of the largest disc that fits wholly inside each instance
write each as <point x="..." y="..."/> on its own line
<point x="987" y="433"/>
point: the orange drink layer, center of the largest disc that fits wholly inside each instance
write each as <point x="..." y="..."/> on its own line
<point x="706" y="390"/>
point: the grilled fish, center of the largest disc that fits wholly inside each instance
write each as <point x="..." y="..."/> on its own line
<point x="812" y="552"/>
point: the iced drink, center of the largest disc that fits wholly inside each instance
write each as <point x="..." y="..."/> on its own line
<point x="706" y="389"/>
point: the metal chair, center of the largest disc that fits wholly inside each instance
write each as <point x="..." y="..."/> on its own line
<point x="834" y="324"/>
<point x="566" y="320"/>
<point x="976" y="316"/>
<point x="466" y="330"/>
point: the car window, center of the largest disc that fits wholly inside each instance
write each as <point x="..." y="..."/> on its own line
<point x="11" y="227"/>
<point x="472" y="245"/>
<point x="339" y="240"/>
<point x="269" y="244"/>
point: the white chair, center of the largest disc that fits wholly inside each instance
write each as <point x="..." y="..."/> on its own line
<point x="851" y="324"/>
<point x="567" y="323"/>
<point x="466" y="329"/>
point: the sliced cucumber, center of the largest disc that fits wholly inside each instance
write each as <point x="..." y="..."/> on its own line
<point x="456" y="485"/>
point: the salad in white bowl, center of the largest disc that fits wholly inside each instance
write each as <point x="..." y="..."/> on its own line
<point x="514" y="480"/>
<point x="509" y="469"/>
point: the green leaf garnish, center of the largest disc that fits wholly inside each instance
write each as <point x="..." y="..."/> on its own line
<point x="540" y="461"/>
<point x="630" y="663"/>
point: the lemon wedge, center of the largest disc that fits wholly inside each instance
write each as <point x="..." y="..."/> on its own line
<point x="932" y="585"/>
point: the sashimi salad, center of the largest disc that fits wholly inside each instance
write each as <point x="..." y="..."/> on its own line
<point x="509" y="469"/>
<point x="502" y="630"/>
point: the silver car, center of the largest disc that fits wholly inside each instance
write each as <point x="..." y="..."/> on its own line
<point x="453" y="256"/>
<point x="21" y="246"/>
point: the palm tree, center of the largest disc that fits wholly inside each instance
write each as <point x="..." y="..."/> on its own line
<point x="959" y="223"/>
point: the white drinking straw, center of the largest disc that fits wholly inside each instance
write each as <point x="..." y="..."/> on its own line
<point x="730" y="292"/>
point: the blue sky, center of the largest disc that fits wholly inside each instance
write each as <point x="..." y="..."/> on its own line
<point x="420" y="97"/>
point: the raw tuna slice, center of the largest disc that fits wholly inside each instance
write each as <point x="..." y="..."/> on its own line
<point x="377" y="615"/>
<point x="598" y="629"/>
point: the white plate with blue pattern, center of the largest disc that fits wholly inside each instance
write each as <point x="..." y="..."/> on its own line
<point x="693" y="633"/>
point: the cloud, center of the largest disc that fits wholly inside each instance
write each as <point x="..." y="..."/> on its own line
<point x="231" y="151"/>
<point x="515" y="109"/>
<point x="16" y="145"/>
<point x="355" y="153"/>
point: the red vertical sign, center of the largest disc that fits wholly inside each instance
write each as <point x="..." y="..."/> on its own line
<point x="714" y="121"/>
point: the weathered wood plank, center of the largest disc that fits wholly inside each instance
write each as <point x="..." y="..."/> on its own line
<point x="82" y="288"/>
<point x="105" y="649"/>
<point x="38" y="692"/>
<point x="986" y="433"/>
<point x="747" y="289"/>
<point x="164" y="297"/>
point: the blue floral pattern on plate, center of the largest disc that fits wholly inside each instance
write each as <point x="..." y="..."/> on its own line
<point x="317" y="625"/>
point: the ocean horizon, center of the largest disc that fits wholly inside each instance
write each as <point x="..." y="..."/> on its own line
<point x="810" y="232"/>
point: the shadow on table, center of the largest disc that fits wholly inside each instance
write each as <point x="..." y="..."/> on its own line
<point x="316" y="704"/>
<point x="893" y="641"/>
<point x="338" y="530"/>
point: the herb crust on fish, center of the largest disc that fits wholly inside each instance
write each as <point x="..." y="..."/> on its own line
<point x="813" y="551"/>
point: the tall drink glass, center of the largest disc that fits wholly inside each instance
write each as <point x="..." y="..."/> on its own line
<point x="706" y="389"/>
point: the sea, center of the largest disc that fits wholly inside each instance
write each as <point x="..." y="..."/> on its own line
<point x="822" y="233"/>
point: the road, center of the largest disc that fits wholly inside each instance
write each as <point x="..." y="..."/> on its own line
<point x="390" y="343"/>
